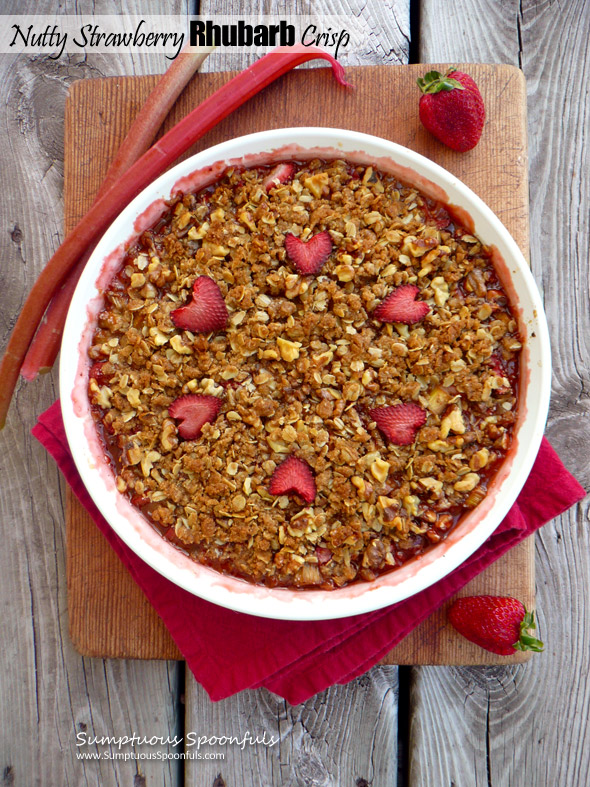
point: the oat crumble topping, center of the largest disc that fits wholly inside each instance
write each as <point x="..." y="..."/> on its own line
<point x="298" y="368"/>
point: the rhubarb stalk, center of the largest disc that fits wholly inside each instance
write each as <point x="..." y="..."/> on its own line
<point x="154" y="111"/>
<point x="214" y="109"/>
<point x="45" y="345"/>
<point x="44" y="348"/>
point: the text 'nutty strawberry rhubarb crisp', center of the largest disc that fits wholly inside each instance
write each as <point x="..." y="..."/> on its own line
<point x="304" y="375"/>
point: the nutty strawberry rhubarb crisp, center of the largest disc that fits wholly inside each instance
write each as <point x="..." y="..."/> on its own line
<point x="304" y="375"/>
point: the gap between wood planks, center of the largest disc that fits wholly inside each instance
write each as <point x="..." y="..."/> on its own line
<point x="404" y="679"/>
<point x="414" y="50"/>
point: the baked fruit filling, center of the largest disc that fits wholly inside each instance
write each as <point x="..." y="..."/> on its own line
<point x="305" y="374"/>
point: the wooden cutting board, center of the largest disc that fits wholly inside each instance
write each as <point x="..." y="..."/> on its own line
<point x="109" y="616"/>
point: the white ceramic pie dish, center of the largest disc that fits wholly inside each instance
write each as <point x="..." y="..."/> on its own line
<point x="475" y="527"/>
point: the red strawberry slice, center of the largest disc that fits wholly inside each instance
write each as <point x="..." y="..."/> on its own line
<point x="323" y="554"/>
<point x="399" y="423"/>
<point x="280" y="174"/>
<point x="170" y="535"/>
<point x="194" y="411"/>
<point x="497" y="623"/>
<point x="293" y="475"/>
<point x="401" y="306"/>
<point x="97" y="373"/>
<point x="206" y="311"/>
<point x="497" y="366"/>
<point x="308" y="256"/>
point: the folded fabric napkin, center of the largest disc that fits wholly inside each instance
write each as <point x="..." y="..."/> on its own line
<point x="229" y="651"/>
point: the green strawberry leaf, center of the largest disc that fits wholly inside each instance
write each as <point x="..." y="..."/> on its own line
<point x="434" y="82"/>
<point x="527" y="641"/>
<point x="427" y="79"/>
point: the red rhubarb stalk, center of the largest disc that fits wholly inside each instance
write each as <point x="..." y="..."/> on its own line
<point x="153" y="113"/>
<point x="45" y="345"/>
<point x="218" y="106"/>
<point x="44" y="348"/>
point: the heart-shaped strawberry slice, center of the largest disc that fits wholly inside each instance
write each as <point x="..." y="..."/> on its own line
<point x="401" y="306"/>
<point x="194" y="411"/>
<point x="293" y="475"/>
<point x="400" y="422"/>
<point x="309" y="256"/>
<point x="206" y="311"/>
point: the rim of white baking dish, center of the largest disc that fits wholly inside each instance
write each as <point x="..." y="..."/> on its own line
<point x="360" y="597"/>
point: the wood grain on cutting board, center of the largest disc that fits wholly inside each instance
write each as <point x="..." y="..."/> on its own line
<point x="109" y="616"/>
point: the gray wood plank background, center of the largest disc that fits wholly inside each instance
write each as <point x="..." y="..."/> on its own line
<point x="524" y="725"/>
<point x="527" y="725"/>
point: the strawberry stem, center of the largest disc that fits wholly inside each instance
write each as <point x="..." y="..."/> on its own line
<point x="526" y="640"/>
<point x="434" y="82"/>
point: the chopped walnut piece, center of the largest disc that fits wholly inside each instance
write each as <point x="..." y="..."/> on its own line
<point x="100" y="395"/>
<point x="438" y="400"/>
<point x="168" y="438"/>
<point x="316" y="183"/>
<point x="147" y="462"/>
<point x="410" y="503"/>
<point x="179" y="346"/>
<point x="467" y="483"/>
<point x="432" y="485"/>
<point x="479" y="459"/>
<point x="441" y="290"/>
<point x="362" y="486"/>
<point x="380" y="470"/>
<point x="453" y="422"/>
<point x="344" y="272"/>
<point x="289" y="350"/>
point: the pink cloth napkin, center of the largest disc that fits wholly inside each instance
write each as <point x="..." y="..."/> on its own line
<point x="229" y="651"/>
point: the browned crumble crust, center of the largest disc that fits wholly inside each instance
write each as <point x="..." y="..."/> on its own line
<point x="298" y="367"/>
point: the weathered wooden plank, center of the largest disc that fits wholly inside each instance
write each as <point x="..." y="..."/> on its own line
<point x="515" y="726"/>
<point x="527" y="725"/>
<point x="345" y="735"/>
<point x="385" y="27"/>
<point x="47" y="692"/>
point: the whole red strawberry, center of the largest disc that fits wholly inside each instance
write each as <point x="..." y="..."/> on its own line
<point x="497" y="623"/>
<point x="452" y="108"/>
